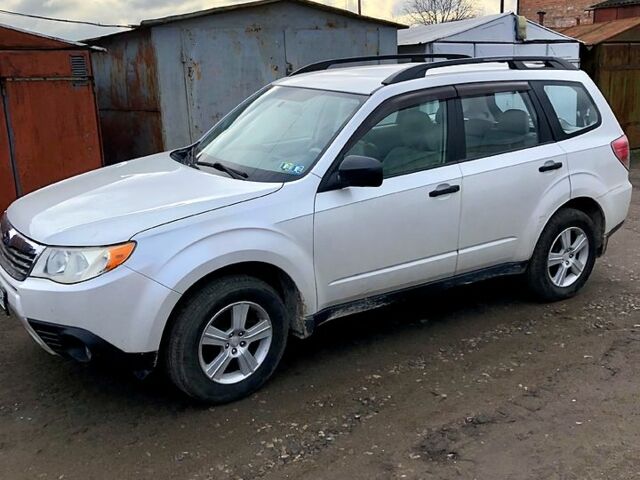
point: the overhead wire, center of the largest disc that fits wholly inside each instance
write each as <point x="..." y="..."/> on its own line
<point x="65" y="20"/>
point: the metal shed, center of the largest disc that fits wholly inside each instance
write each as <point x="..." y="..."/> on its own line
<point x="48" y="117"/>
<point x="489" y="36"/>
<point x="611" y="56"/>
<point x="165" y="83"/>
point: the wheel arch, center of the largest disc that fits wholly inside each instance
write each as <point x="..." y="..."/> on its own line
<point x="594" y="210"/>
<point x="588" y="206"/>
<point x="271" y="274"/>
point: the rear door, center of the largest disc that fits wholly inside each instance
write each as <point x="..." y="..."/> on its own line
<point x="586" y="130"/>
<point x="514" y="176"/>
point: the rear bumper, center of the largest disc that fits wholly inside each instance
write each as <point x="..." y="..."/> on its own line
<point x="607" y="236"/>
<point x="615" y="205"/>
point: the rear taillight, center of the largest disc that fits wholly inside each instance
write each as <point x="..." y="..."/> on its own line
<point x="622" y="150"/>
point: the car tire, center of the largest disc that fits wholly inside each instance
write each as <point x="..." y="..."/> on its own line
<point x="559" y="250"/>
<point x="195" y="360"/>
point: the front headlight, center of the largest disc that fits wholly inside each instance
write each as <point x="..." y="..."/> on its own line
<point x="73" y="265"/>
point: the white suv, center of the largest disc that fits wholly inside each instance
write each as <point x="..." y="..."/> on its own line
<point x="329" y="192"/>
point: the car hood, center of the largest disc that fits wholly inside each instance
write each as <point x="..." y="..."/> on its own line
<point x="112" y="204"/>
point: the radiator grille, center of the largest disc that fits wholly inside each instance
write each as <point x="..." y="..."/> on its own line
<point x="17" y="253"/>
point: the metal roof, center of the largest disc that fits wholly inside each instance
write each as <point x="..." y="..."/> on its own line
<point x="614" y="3"/>
<point x="430" y="33"/>
<point x="600" y="32"/>
<point x="18" y="38"/>
<point x="423" y="34"/>
<point x="258" y="3"/>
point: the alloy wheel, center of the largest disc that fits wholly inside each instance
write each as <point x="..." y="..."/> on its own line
<point x="235" y="342"/>
<point x="568" y="257"/>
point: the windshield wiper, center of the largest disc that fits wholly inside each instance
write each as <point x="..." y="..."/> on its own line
<point x="189" y="158"/>
<point x="232" y="172"/>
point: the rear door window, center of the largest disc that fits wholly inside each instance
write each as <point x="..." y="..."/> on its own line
<point x="573" y="106"/>
<point x="498" y="123"/>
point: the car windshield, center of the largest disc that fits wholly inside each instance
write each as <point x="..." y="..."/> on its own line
<point x="278" y="134"/>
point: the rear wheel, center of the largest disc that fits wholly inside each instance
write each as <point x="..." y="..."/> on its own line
<point x="227" y="340"/>
<point x="564" y="256"/>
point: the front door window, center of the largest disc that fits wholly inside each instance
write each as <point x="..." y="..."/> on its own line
<point x="408" y="140"/>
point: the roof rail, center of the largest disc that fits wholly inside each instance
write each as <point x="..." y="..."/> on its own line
<point x="515" y="63"/>
<point x="414" y="57"/>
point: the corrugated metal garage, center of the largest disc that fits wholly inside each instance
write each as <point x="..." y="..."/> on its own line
<point x="490" y="36"/>
<point x="164" y="84"/>
<point x="48" y="118"/>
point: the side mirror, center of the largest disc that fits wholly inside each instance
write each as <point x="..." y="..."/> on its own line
<point x="359" y="171"/>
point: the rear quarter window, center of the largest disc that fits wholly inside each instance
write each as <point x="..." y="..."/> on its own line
<point x="573" y="106"/>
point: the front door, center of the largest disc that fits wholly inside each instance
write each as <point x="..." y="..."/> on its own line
<point x="405" y="232"/>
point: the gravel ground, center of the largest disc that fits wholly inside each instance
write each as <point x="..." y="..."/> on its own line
<point x="476" y="383"/>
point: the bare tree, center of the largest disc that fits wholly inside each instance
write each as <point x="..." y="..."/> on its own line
<point x="428" y="12"/>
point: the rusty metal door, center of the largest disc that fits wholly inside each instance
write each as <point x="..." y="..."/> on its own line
<point x="308" y="45"/>
<point x="7" y="183"/>
<point x="48" y="119"/>
<point x="53" y="130"/>
<point x="243" y="61"/>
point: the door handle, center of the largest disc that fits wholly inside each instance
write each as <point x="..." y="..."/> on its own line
<point x="547" y="167"/>
<point x="444" y="190"/>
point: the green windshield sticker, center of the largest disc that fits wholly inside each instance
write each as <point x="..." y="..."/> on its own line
<point x="293" y="168"/>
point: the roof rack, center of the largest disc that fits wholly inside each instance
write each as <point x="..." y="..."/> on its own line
<point x="414" y="57"/>
<point x="515" y="63"/>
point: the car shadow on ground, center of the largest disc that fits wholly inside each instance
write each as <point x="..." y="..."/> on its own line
<point x="326" y="348"/>
<point x="398" y="319"/>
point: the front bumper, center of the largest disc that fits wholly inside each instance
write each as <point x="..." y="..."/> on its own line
<point x="121" y="309"/>
<point x="83" y="346"/>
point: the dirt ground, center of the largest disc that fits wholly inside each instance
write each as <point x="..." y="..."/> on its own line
<point x="476" y="383"/>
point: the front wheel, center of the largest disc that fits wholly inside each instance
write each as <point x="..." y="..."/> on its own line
<point x="564" y="256"/>
<point x="227" y="339"/>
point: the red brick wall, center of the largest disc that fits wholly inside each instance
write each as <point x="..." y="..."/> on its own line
<point x="560" y="13"/>
<point x="619" y="13"/>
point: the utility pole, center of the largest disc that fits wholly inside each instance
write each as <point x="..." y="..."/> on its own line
<point x="501" y="6"/>
<point x="360" y="7"/>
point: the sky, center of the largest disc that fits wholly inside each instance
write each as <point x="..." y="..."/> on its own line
<point x="128" y="12"/>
